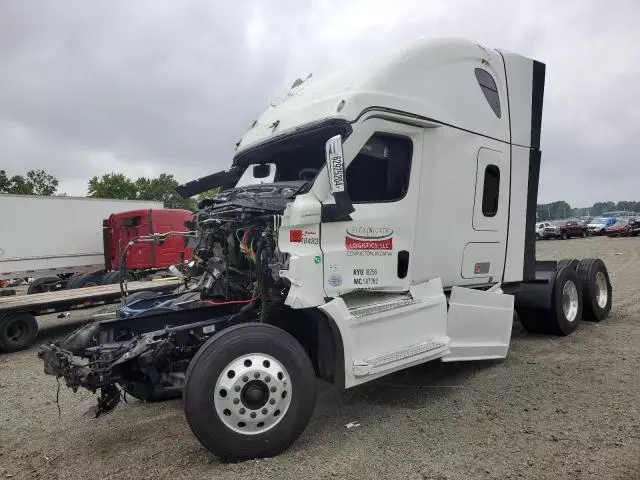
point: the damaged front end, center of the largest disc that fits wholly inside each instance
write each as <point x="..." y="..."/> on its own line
<point x="246" y="261"/>
<point x="236" y="264"/>
<point x="111" y="358"/>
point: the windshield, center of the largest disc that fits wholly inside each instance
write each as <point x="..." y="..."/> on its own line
<point x="249" y="176"/>
<point x="302" y="167"/>
<point x="291" y="158"/>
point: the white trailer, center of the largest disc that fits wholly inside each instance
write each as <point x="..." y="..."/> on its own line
<point x="399" y="229"/>
<point x="49" y="236"/>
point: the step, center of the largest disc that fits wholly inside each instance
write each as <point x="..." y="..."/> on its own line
<point x="430" y="349"/>
<point x="367" y="309"/>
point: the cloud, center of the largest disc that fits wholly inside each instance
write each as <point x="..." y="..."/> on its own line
<point x="159" y="86"/>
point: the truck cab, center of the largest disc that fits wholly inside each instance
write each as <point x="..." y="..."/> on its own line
<point x="122" y="227"/>
<point x="373" y="220"/>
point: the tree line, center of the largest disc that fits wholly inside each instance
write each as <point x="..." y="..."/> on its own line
<point x="35" y="182"/>
<point x="162" y="189"/>
<point x="110" y="185"/>
<point x="561" y="209"/>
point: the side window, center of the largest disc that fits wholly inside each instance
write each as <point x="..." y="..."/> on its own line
<point x="491" y="192"/>
<point x="490" y="90"/>
<point x="380" y="171"/>
<point x="128" y="222"/>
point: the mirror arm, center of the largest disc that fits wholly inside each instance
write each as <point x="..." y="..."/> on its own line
<point x="343" y="207"/>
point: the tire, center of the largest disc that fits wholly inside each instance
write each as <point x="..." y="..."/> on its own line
<point x="18" y="331"/>
<point x="73" y="281"/>
<point x="88" y="281"/>
<point x="212" y="370"/>
<point x="112" y="278"/>
<point x="558" y="320"/>
<point x="595" y="288"/>
<point x="538" y="237"/>
<point x="584" y="234"/>
<point x="564" y="236"/>
<point x="42" y="285"/>
<point x="572" y="262"/>
<point x="145" y="391"/>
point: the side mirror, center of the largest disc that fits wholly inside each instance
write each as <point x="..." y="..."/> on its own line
<point x="335" y="164"/>
<point x="340" y="211"/>
<point x="261" y="171"/>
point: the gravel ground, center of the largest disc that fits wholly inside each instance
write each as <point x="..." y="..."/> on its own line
<point x="555" y="408"/>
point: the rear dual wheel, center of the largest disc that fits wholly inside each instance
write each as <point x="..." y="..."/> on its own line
<point x="43" y="285"/>
<point x="595" y="288"/>
<point x="565" y="312"/>
<point x="250" y="392"/>
<point x="582" y="290"/>
<point x="82" y="281"/>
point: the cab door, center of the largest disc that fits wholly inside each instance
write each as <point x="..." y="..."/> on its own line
<point x="374" y="250"/>
<point x="484" y="254"/>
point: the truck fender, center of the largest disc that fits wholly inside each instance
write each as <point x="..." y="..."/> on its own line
<point x="320" y="336"/>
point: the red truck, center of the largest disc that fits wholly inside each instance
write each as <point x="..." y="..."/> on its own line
<point x="565" y="229"/>
<point x="120" y="228"/>
<point x="142" y="258"/>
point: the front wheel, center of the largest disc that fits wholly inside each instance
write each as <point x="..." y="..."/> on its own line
<point x="250" y="392"/>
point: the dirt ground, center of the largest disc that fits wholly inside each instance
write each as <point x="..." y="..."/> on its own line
<point x="556" y="408"/>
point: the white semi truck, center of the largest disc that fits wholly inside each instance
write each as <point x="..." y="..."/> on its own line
<point x="397" y="228"/>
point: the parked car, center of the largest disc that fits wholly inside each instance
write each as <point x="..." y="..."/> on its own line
<point x="619" y="213"/>
<point x="624" y="227"/>
<point x="566" y="229"/>
<point x="598" y="225"/>
<point x="540" y="230"/>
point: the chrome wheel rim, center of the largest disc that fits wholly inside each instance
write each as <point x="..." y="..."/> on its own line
<point x="602" y="292"/>
<point x="570" y="300"/>
<point x="252" y="394"/>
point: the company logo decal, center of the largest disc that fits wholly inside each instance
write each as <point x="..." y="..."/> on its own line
<point x="370" y="233"/>
<point x="369" y="238"/>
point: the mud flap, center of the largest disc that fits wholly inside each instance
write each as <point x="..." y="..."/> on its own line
<point x="478" y="324"/>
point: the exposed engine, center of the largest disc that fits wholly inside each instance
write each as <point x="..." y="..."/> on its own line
<point x="236" y="250"/>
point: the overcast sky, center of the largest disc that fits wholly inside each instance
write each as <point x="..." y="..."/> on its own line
<point x="144" y="87"/>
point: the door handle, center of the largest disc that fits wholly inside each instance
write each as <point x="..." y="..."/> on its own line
<point x="403" y="263"/>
